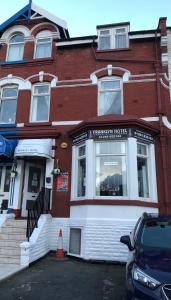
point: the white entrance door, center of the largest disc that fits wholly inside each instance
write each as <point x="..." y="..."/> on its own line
<point x="33" y="182"/>
<point x="5" y="180"/>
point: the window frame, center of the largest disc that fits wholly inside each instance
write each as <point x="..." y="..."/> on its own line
<point x="100" y="91"/>
<point x="81" y="240"/>
<point x="112" y="34"/>
<point x="131" y="168"/>
<point x="126" y="164"/>
<point x="41" y="36"/>
<point x="79" y="157"/>
<point x="16" y="43"/>
<point x="148" y="168"/>
<point x="74" y="180"/>
<point x="8" y="98"/>
<point x="32" y="99"/>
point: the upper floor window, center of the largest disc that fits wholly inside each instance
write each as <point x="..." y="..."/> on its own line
<point x="110" y="96"/>
<point x="113" y="38"/>
<point x="40" y="103"/>
<point x="16" y="48"/>
<point x="8" y="104"/>
<point x="43" y="46"/>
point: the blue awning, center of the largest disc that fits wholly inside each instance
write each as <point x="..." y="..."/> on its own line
<point x="7" y="147"/>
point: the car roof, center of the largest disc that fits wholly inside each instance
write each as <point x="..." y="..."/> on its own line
<point x="155" y="216"/>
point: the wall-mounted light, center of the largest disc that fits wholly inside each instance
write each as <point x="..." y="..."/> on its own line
<point x="63" y="145"/>
<point x="13" y="171"/>
<point x="57" y="170"/>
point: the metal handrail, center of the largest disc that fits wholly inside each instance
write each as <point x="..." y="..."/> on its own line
<point x="41" y="206"/>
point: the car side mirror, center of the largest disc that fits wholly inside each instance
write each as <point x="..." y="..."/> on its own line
<point x="125" y="239"/>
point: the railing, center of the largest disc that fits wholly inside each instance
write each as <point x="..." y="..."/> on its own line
<point x="40" y="206"/>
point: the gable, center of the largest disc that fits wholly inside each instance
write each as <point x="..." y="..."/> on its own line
<point x="31" y="12"/>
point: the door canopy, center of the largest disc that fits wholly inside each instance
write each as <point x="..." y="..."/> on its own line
<point x="34" y="147"/>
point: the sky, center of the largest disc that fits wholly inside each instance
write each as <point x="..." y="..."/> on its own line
<point x="82" y="16"/>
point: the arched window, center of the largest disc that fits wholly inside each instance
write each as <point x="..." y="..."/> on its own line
<point x="16" y="47"/>
<point x="43" y="46"/>
<point x="110" y="96"/>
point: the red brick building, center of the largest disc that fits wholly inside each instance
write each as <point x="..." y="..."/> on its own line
<point x="88" y="118"/>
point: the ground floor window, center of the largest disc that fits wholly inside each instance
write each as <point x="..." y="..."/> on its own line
<point x="142" y="167"/>
<point x="112" y="169"/>
<point x="81" y="171"/>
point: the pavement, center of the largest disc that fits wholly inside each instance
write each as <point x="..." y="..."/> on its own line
<point x="7" y="270"/>
<point x="71" y="279"/>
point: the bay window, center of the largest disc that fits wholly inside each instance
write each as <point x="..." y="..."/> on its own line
<point x="40" y="103"/>
<point x="8" y="104"/>
<point x="110" y="96"/>
<point x="114" y="164"/>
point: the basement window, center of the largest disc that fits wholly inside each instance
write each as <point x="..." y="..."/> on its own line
<point x="75" y="241"/>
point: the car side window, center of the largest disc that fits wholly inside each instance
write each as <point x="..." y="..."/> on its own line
<point x="135" y="232"/>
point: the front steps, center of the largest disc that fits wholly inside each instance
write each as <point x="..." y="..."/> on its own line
<point x="12" y="234"/>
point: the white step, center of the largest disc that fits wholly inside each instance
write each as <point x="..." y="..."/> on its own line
<point x="10" y="243"/>
<point x="16" y="230"/>
<point x="16" y="223"/>
<point x="12" y="236"/>
<point x="9" y="259"/>
<point x="6" y="251"/>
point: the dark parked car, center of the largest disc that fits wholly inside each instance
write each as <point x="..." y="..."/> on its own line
<point x="148" y="270"/>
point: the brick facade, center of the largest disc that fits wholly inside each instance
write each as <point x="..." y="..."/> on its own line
<point x="74" y="99"/>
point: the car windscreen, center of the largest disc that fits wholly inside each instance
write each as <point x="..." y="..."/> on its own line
<point x="156" y="234"/>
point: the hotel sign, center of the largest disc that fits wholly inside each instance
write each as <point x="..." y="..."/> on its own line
<point x="106" y="134"/>
<point x="113" y="134"/>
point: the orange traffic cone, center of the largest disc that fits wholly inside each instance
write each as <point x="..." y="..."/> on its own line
<point x="60" y="251"/>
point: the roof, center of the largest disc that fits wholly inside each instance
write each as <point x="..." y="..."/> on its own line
<point x="27" y="13"/>
<point x="113" y="25"/>
<point x="113" y="120"/>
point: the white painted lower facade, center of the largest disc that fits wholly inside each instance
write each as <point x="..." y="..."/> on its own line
<point x="101" y="229"/>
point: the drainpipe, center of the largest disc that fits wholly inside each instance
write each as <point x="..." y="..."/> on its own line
<point x="164" y="150"/>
